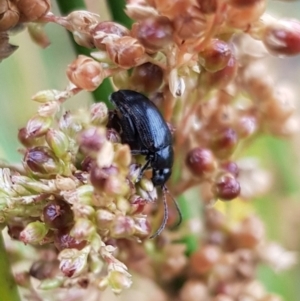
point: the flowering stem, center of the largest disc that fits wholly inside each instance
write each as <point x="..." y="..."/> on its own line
<point x="105" y="89"/>
<point x="8" y="287"/>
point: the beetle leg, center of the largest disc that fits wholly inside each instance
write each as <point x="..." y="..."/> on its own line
<point x="165" y="219"/>
<point x="166" y="190"/>
<point x="146" y="166"/>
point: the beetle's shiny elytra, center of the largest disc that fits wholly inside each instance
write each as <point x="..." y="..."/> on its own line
<point x="144" y="129"/>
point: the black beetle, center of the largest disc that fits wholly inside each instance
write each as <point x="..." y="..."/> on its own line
<point x="144" y="129"/>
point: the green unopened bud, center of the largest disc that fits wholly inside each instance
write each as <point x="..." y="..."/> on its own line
<point x="73" y="262"/>
<point x="83" y="229"/>
<point x="82" y="194"/>
<point x="119" y="281"/>
<point x="37" y="126"/>
<point x="58" y="142"/>
<point x="45" y="96"/>
<point x="32" y="185"/>
<point x="34" y="233"/>
<point x="83" y="211"/>
<point x="62" y="183"/>
<point x="121" y="79"/>
<point x="49" y="284"/>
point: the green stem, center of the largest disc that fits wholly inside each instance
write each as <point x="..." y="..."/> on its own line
<point x="8" y="287"/>
<point x="116" y="8"/>
<point x="105" y="89"/>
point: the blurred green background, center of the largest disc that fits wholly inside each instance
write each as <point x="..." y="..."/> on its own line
<point x="31" y="69"/>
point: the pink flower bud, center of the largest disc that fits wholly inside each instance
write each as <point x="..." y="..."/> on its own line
<point x="85" y="73"/>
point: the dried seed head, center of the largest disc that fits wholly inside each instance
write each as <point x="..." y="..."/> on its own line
<point x="9" y="15"/>
<point x="242" y="17"/>
<point x="85" y="73"/>
<point x="190" y="23"/>
<point x="126" y="52"/>
<point x="154" y="33"/>
<point x="226" y="187"/>
<point x="107" y="32"/>
<point x="146" y="78"/>
<point x="58" y="214"/>
<point x="81" y="20"/>
<point x="215" y="56"/>
<point x="282" y="37"/>
<point x="41" y="160"/>
<point x="32" y="10"/>
<point x="201" y="161"/>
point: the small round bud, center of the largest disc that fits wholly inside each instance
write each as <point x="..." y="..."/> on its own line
<point x="207" y="6"/>
<point x="146" y="78"/>
<point x="248" y="233"/>
<point x="91" y="140"/>
<point x="31" y="10"/>
<point x="85" y="73"/>
<point x="242" y="17"/>
<point x="113" y="136"/>
<point x="42" y="160"/>
<point x="25" y="139"/>
<point x="142" y="228"/>
<point x="107" y="31"/>
<point x="246" y="125"/>
<point x="38" y="34"/>
<point x="33" y="233"/>
<point x="231" y="167"/>
<point x="282" y="37"/>
<point x="224" y="142"/>
<point x="99" y="113"/>
<point x="63" y="240"/>
<point x="194" y="290"/>
<point x="126" y="52"/>
<point x="9" y="15"/>
<point x="43" y="269"/>
<point x="58" y="214"/>
<point x="121" y="227"/>
<point x="58" y="142"/>
<point x="154" y="33"/>
<point x="38" y="126"/>
<point x="222" y="77"/>
<point x="242" y="3"/>
<point x="226" y="187"/>
<point x="215" y="56"/>
<point x="137" y="204"/>
<point x="200" y="161"/>
<point x="203" y="260"/>
<point x="99" y="177"/>
<point x="190" y="23"/>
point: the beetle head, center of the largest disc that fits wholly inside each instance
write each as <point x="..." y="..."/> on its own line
<point x="161" y="176"/>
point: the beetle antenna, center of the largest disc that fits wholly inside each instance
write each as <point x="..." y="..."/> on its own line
<point x="165" y="219"/>
<point x="166" y="190"/>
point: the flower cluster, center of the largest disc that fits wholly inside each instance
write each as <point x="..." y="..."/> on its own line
<point x="78" y="191"/>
